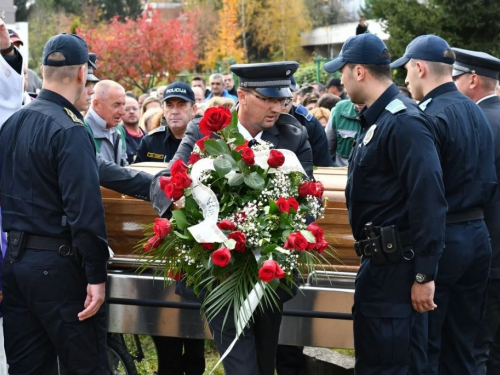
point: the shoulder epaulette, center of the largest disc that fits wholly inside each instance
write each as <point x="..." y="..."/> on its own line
<point x="72" y="116"/>
<point x="395" y="106"/>
<point x="158" y="130"/>
<point x="301" y="110"/>
<point x="423" y="105"/>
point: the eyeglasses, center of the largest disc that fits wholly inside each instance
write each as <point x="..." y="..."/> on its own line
<point x="128" y="109"/>
<point x="284" y="102"/>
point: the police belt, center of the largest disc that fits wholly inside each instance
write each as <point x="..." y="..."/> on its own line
<point x="466" y="215"/>
<point x="61" y="245"/>
<point x="363" y="247"/>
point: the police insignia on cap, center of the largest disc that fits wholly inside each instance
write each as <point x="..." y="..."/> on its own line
<point x="73" y="116"/>
<point x="369" y="134"/>
<point x="288" y="72"/>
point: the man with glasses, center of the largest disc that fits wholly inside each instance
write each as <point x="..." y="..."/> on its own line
<point x="133" y="133"/>
<point x="263" y="93"/>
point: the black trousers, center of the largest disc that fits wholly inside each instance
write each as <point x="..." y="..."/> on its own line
<point x="43" y="294"/>
<point x="180" y="356"/>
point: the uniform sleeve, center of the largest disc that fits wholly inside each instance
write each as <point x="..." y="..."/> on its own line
<point x="414" y="156"/>
<point x="123" y="180"/>
<point x="304" y="154"/>
<point x="142" y="151"/>
<point x="319" y="145"/>
<point x="81" y="198"/>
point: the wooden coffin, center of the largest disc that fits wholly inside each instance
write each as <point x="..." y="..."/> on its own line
<point x="126" y="215"/>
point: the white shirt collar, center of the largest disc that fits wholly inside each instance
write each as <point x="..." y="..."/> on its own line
<point x="98" y="119"/>
<point x="486" y="97"/>
<point x="244" y="132"/>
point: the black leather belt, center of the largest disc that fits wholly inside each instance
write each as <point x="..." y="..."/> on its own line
<point x="466" y="215"/>
<point x="61" y="245"/>
<point x="363" y="247"/>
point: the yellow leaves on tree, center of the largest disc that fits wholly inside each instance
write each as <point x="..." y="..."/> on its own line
<point x="225" y="44"/>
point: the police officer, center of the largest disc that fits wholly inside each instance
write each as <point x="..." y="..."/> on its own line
<point x="316" y="133"/>
<point x="476" y="75"/>
<point x="55" y="267"/>
<point x="263" y="93"/>
<point x="465" y="144"/>
<point x="397" y="209"/>
<point x="179" y="107"/>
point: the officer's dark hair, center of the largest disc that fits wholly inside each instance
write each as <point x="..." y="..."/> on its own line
<point x="438" y="69"/>
<point x="199" y="78"/>
<point x="379" y="72"/>
<point x="59" y="73"/>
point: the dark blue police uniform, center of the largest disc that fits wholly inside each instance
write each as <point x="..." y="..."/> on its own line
<point x="464" y="141"/>
<point x="159" y="145"/>
<point x="397" y="208"/>
<point x="317" y="136"/>
<point x="53" y="212"/>
<point x="487" y="68"/>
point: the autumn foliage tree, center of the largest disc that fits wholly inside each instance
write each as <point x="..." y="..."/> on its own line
<point x="140" y="53"/>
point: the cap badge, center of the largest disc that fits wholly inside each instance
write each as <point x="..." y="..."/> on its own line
<point x="369" y="134"/>
<point x="288" y="72"/>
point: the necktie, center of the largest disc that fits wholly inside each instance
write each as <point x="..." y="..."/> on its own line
<point x="252" y="142"/>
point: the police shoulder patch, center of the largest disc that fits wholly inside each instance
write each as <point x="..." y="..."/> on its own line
<point x="72" y="116"/>
<point x="158" y="130"/>
<point x="395" y="106"/>
<point x="301" y="110"/>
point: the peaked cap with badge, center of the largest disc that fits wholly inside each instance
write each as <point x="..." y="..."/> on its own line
<point x="475" y="62"/>
<point x="269" y="79"/>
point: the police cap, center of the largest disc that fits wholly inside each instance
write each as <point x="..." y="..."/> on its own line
<point x="71" y="46"/>
<point x="90" y="74"/>
<point x="425" y="47"/>
<point x="179" y="90"/>
<point x="475" y="62"/>
<point x="293" y="84"/>
<point x="269" y="79"/>
<point x="365" y="48"/>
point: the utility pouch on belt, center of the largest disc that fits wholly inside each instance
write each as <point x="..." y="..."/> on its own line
<point x="391" y="244"/>
<point x="374" y="244"/>
<point x="16" y="247"/>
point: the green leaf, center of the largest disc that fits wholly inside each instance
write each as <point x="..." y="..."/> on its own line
<point x="230" y="244"/>
<point x="235" y="179"/>
<point x="274" y="283"/>
<point x="223" y="146"/>
<point x="268" y="249"/>
<point x="180" y="219"/>
<point x="244" y="168"/>
<point x="308" y="235"/>
<point x="255" y="181"/>
<point x="213" y="148"/>
<point x="222" y="166"/>
<point x="180" y="235"/>
<point x="229" y="158"/>
<point x="273" y="208"/>
<point x="236" y="155"/>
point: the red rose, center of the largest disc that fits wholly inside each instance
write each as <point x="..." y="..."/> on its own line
<point x="153" y="243"/>
<point x="248" y="156"/>
<point x="276" y="159"/>
<point x="226" y="225"/>
<point x="292" y="202"/>
<point x="240" y="239"/>
<point x="174" y="192"/>
<point x="164" y="181"/>
<point x="270" y="270"/>
<point x="207" y="246"/>
<point x="178" y="194"/>
<point x="304" y="189"/>
<point x="221" y="257"/>
<point x="289" y="244"/>
<point x="321" y="245"/>
<point x="300" y="242"/>
<point x="317" y="232"/>
<point x="240" y="217"/>
<point x="169" y="190"/>
<point x="162" y="227"/>
<point x="319" y="189"/>
<point x="311" y="246"/>
<point x="182" y="180"/>
<point x="193" y="158"/>
<point x="313" y="189"/>
<point x="178" y="167"/>
<point x="241" y="147"/>
<point x="283" y="205"/>
<point x="215" y="119"/>
<point x="176" y="276"/>
<point x="267" y="271"/>
<point x="201" y="143"/>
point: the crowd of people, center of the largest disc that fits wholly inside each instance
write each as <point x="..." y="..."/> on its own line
<point x="423" y="161"/>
